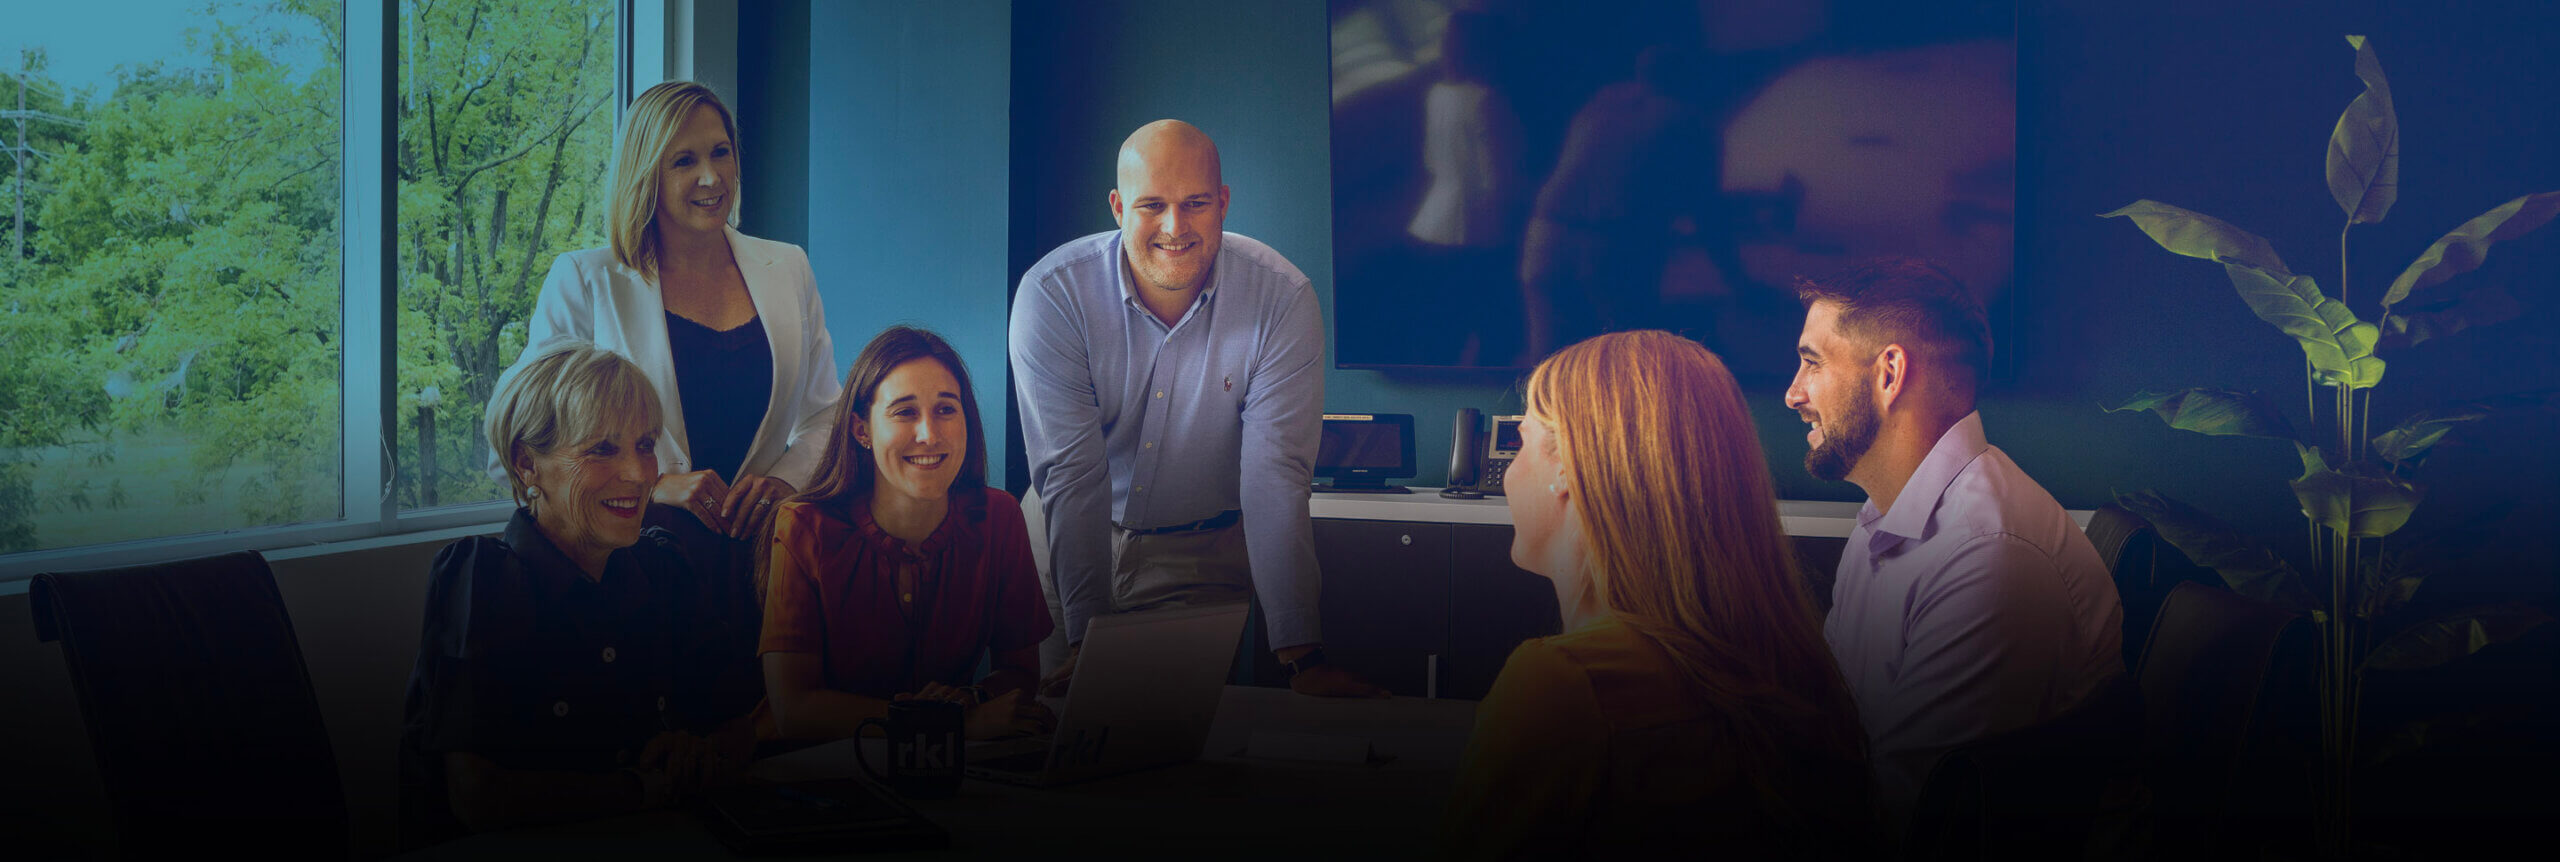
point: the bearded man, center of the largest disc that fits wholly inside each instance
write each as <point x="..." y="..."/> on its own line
<point x="1967" y="603"/>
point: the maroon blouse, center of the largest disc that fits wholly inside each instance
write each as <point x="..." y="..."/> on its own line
<point x="831" y="589"/>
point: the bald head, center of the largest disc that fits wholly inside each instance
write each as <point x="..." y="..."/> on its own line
<point x="1171" y="204"/>
<point x="1167" y="144"/>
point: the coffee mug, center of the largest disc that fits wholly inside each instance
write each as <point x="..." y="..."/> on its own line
<point x="925" y="748"/>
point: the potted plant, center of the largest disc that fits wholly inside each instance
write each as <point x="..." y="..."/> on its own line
<point x="2355" y="490"/>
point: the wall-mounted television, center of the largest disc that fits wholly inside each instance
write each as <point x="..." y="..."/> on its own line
<point x="1511" y="176"/>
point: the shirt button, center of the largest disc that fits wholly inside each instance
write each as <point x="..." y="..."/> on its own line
<point x="608" y="655"/>
<point x="1159" y="393"/>
<point x="1139" y="488"/>
<point x="906" y="597"/>
<point x="560" y="709"/>
<point x="1151" y="444"/>
<point x="662" y="703"/>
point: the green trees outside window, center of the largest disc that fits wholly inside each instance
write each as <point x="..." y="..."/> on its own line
<point x="172" y="264"/>
<point x="506" y="130"/>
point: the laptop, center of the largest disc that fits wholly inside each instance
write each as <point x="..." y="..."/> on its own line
<point x="1146" y="688"/>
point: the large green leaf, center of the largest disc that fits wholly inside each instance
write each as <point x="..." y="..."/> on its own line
<point x="2218" y="412"/>
<point x="2247" y="566"/>
<point x="2389" y="581"/>
<point x="2463" y="250"/>
<point x="2453" y="636"/>
<point x="2415" y="435"/>
<point x="2476" y="306"/>
<point x="2361" y="500"/>
<point x="2195" y="234"/>
<point x="2364" y="149"/>
<point x="2339" y="345"/>
<point x="2411" y="439"/>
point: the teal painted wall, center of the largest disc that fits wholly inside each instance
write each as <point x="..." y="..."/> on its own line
<point x="895" y="133"/>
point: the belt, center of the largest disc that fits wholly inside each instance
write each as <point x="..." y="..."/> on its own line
<point x="1213" y="522"/>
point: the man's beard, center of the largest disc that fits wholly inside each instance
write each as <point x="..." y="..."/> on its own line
<point x="1839" y="452"/>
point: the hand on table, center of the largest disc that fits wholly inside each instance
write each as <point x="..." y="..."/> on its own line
<point x="1326" y="680"/>
<point x="691" y="762"/>
<point x="1055" y="684"/>
<point x="962" y="695"/>
<point x="1012" y="713"/>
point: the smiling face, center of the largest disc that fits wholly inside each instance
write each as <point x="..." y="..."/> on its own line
<point x="1172" y="211"/>
<point x="698" y="175"/>
<point x="592" y="492"/>
<point x="1832" y="393"/>
<point x="917" y="431"/>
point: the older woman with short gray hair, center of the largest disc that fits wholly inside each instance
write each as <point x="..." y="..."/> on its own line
<point x="577" y="665"/>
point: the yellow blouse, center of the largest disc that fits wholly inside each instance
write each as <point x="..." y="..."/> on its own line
<point x="1593" y="739"/>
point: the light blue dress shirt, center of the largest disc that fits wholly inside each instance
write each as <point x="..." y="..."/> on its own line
<point x="1975" y="607"/>
<point x="1132" y="422"/>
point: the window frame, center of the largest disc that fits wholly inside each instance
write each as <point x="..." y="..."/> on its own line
<point x="369" y="513"/>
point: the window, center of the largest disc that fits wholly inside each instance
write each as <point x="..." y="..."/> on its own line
<point x="173" y="287"/>
<point x="207" y="348"/>
<point x="506" y="129"/>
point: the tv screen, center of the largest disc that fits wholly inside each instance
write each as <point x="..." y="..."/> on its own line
<point x="1512" y="177"/>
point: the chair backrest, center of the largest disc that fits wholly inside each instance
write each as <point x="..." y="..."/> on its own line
<point x="2038" y="792"/>
<point x="2131" y="550"/>
<point x="199" y="707"/>
<point x="2206" y="688"/>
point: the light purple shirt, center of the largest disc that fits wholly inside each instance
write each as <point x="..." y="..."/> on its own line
<point x="1977" y="606"/>
<point x="1128" y="420"/>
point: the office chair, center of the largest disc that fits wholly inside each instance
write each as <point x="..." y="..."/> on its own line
<point x="2046" y="792"/>
<point x="198" y="707"/>
<point x="2221" y="675"/>
<point x="2134" y="555"/>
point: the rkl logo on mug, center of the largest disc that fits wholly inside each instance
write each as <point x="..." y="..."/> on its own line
<point x="926" y="753"/>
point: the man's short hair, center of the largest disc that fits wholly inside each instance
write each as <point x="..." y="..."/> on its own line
<point x="1911" y="302"/>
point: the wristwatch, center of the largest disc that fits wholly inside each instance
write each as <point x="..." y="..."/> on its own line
<point x="1312" y="658"/>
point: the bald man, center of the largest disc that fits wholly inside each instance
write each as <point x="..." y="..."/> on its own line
<point x="1171" y="379"/>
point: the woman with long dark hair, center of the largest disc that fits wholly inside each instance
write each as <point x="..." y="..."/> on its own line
<point x="899" y="569"/>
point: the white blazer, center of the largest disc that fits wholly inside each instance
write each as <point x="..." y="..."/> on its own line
<point x="590" y="297"/>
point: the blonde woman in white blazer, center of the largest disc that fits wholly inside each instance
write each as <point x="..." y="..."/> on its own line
<point x="677" y="262"/>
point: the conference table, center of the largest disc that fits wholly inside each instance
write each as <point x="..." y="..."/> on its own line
<point x="1230" y="803"/>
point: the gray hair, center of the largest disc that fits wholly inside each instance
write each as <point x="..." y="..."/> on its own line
<point x="573" y="391"/>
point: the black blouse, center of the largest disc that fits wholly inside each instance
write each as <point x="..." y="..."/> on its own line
<point x="725" y="380"/>
<point x="525" y="661"/>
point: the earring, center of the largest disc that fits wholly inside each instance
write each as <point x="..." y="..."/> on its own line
<point x="1555" y="488"/>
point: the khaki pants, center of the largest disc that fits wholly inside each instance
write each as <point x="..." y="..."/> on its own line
<point x="1161" y="570"/>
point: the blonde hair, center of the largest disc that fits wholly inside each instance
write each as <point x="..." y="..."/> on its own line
<point x="1682" y="538"/>
<point x="571" y="393"/>
<point x="648" y="129"/>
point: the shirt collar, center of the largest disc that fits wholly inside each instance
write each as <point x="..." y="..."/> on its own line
<point x="943" y="535"/>
<point x="546" y="563"/>
<point x="1955" y="450"/>
<point x="1129" y="289"/>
